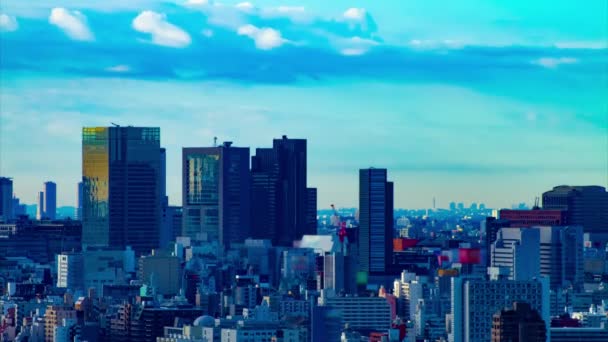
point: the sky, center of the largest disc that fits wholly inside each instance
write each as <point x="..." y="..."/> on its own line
<point x="472" y="101"/>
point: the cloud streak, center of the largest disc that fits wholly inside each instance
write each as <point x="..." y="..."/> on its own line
<point x="161" y="31"/>
<point x="72" y="23"/>
<point x="8" y="23"/>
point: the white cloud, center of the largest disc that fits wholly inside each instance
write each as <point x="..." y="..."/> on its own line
<point x="265" y="38"/>
<point x="163" y="32"/>
<point x="8" y="23"/>
<point x="354" y="14"/>
<point x="119" y="68"/>
<point x="245" y="6"/>
<point x="550" y="62"/>
<point x="73" y="23"/>
<point x="197" y="2"/>
<point x="355" y="46"/>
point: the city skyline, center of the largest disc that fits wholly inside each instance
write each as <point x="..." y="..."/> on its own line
<point x="497" y="110"/>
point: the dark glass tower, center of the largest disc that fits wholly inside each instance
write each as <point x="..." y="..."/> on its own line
<point x="311" y="211"/>
<point x="216" y="193"/>
<point x="375" y="221"/>
<point x="279" y="192"/>
<point x="6" y="199"/>
<point x="121" y="175"/>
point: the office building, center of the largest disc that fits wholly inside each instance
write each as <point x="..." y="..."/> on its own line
<point x="161" y="272"/>
<point x="561" y="254"/>
<point x="53" y="318"/>
<point x="279" y="194"/>
<point x="105" y="266"/>
<point x="216" y="193"/>
<point x="50" y="200"/>
<point x="521" y="324"/>
<point x="579" y="334"/>
<point x="339" y="273"/>
<point x="475" y="300"/>
<point x="78" y="213"/>
<point x="362" y="313"/>
<point x="70" y="270"/>
<point x="375" y="221"/>
<point x="121" y="175"/>
<point x="517" y="249"/>
<point x="534" y="217"/>
<point x="311" y="210"/>
<point x="40" y="206"/>
<point x="6" y="199"/>
<point x="490" y="227"/>
<point x="586" y="206"/>
<point x="326" y="324"/>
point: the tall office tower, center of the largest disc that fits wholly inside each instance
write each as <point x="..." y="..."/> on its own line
<point x="279" y="193"/>
<point x="475" y="300"/>
<point x="70" y="270"/>
<point x="521" y="323"/>
<point x="40" y="206"/>
<point x="517" y="249"/>
<point x="491" y="226"/>
<point x="375" y="221"/>
<point x="216" y="193"/>
<point x="586" y="206"/>
<point x="78" y="213"/>
<point x="121" y="187"/>
<point x="50" y="200"/>
<point x="6" y="199"/>
<point x="311" y="211"/>
<point x="561" y="254"/>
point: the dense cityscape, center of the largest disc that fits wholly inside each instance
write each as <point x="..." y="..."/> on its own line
<point x="250" y="256"/>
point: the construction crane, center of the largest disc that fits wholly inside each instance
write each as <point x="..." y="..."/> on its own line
<point x="340" y="226"/>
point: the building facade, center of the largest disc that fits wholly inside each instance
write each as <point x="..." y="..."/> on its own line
<point x="521" y="324"/>
<point x="121" y="175"/>
<point x="518" y="249"/>
<point x="375" y="221"/>
<point x="50" y="200"/>
<point x="6" y="199"/>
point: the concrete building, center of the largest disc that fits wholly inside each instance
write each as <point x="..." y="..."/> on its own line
<point x="6" y="199"/>
<point x="375" y="221"/>
<point x="561" y="254"/>
<point x="326" y="324"/>
<point x="70" y="270"/>
<point x="50" y="200"/>
<point x="586" y="206"/>
<point x="54" y="317"/>
<point x="520" y="323"/>
<point x="40" y="206"/>
<point x="161" y="272"/>
<point x="579" y="335"/>
<point x="103" y="266"/>
<point x="517" y="249"/>
<point x="475" y="300"/>
<point x="362" y="313"/>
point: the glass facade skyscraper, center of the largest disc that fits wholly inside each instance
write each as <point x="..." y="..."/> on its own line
<point x="215" y="191"/>
<point x="121" y="175"/>
<point x="375" y="221"/>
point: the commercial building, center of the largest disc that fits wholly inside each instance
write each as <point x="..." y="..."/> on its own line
<point x="517" y="249"/>
<point x="6" y="199"/>
<point x="161" y="272"/>
<point x="362" y="313"/>
<point x="53" y="318"/>
<point x="280" y="206"/>
<point x="534" y="217"/>
<point x="579" y="334"/>
<point x="375" y="221"/>
<point x="70" y="270"/>
<point x="79" y="198"/>
<point x="326" y="324"/>
<point x="50" y="200"/>
<point x="40" y="206"/>
<point x="561" y="254"/>
<point x="475" y="300"/>
<point x="586" y="206"/>
<point x="216" y="193"/>
<point x="521" y="323"/>
<point x="121" y="175"/>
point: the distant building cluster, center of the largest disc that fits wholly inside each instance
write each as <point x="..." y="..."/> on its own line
<point x="249" y="257"/>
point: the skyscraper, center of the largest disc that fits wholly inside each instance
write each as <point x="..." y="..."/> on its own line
<point x="215" y="193"/>
<point x="6" y="199"/>
<point x="517" y="249"/>
<point x="50" y="200"/>
<point x="40" y="206"/>
<point x="121" y="177"/>
<point x="375" y="221"/>
<point x="78" y="214"/>
<point x="311" y="211"/>
<point x="586" y="206"/>
<point x="279" y="193"/>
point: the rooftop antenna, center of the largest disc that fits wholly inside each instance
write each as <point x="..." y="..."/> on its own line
<point x="115" y="125"/>
<point x="536" y="206"/>
<point x="214" y="141"/>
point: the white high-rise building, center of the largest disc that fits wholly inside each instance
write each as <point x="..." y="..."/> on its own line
<point x="70" y="270"/>
<point x="517" y="249"/>
<point x="475" y="300"/>
<point x="40" y="207"/>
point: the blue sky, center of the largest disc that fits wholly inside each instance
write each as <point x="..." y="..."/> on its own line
<point x="464" y="100"/>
